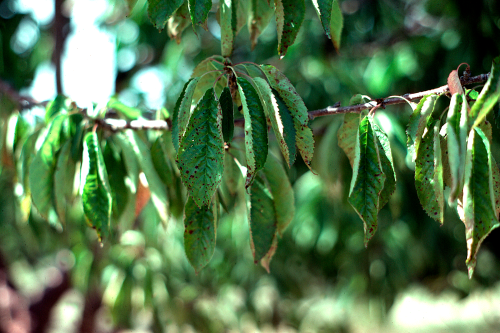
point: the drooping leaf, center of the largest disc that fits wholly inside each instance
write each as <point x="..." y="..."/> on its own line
<point x="385" y="156"/>
<point x="260" y="13"/>
<point x="201" y="153"/>
<point x="199" y="10"/>
<point x="282" y="192"/>
<point x="417" y="123"/>
<point x="227" y="26"/>
<point x="489" y="95"/>
<point x="479" y="199"/>
<point x="200" y="229"/>
<point x="289" y="17"/>
<point x="226" y="103"/>
<point x="280" y="117"/>
<point x="262" y="219"/>
<point x="41" y="169"/>
<point x="331" y="18"/>
<point x="367" y="178"/>
<point x="255" y="129"/>
<point x="456" y="131"/>
<point x="303" y="138"/>
<point x="64" y="177"/>
<point x="182" y="111"/>
<point x="159" y="11"/>
<point x="348" y="135"/>
<point x="429" y="172"/>
<point x="179" y="21"/>
<point x="143" y="156"/>
<point x="96" y="193"/>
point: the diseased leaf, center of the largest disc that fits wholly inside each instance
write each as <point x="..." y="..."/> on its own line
<point x="429" y="172"/>
<point x="41" y="169"/>
<point x="200" y="229"/>
<point x="259" y="15"/>
<point x="201" y="152"/>
<point x="303" y="138"/>
<point x="282" y="192"/>
<point x="479" y="198"/>
<point x="280" y="117"/>
<point x="262" y="219"/>
<point x="385" y="156"/>
<point x="113" y="159"/>
<point x="143" y="156"/>
<point x="182" y="111"/>
<point x="228" y="26"/>
<point x="456" y="131"/>
<point x="159" y="11"/>
<point x="348" y="135"/>
<point x="289" y="17"/>
<point x="199" y="10"/>
<point x="161" y="162"/>
<point x="489" y="95"/>
<point x="454" y="83"/>
<point x="179" y="21"/>
<point x="418" y="121"/>
<point x="336" y="24"/>
<point x="64" y="177"/>
<point x="226" y="103"/>
<point x="96" y="193"/>
<point x="367" y="178"/>
<point x="255" y="129"/>
<point x="266" y="261"/>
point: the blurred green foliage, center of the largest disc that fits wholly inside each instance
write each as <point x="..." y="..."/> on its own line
<point x="321" y="274"/>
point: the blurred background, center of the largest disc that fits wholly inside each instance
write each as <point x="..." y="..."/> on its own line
<point x="412" y="276"/>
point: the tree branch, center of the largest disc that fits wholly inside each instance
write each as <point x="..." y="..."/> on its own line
<point x="393" y="100"/>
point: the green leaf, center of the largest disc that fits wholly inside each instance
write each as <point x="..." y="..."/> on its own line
<point x="488" y="96"/>
<point x="303" y="138"/>
<point x="385" y="156"/>
<point x="61" y="104"/>
<point x="161" y="162"/>
<point x="227" y="26"/>
<point x="262" y="219"/>
<point x="479" y="199"/>
<point x="27" y="155"/>
<point x="41" y="170"/>
<point x="129" y="158"/>
<point x="259" y="15"/>
<point x="64" y="177"/>
<point x="96" y="194"/>
<point x="282" y="192"/>
<point x="255" y="129"/>
<point x="456" y="131"/>
<point x="208" y="71"/>
<point x="348" y="135"/>
<point x="418" y="122"/>
<point x="113" y="159"/>
<point x="159" y="11"/>
<point x="367" y="179"/>
<point x="182" y="111"/>
<point x="124" y="110"/>
<point x="280" y="117"/>
<point x="158" y="192"/>
<point x="201" y="153"/>
<point x="226" y="103"/>
<point x="429" y="172"/>
<point x="200" y="229"/>
<point x="179" y="21"/>
<point x="289" y="17"/>
<point x="199" y="10"/>
<point x="331" y="18"/>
